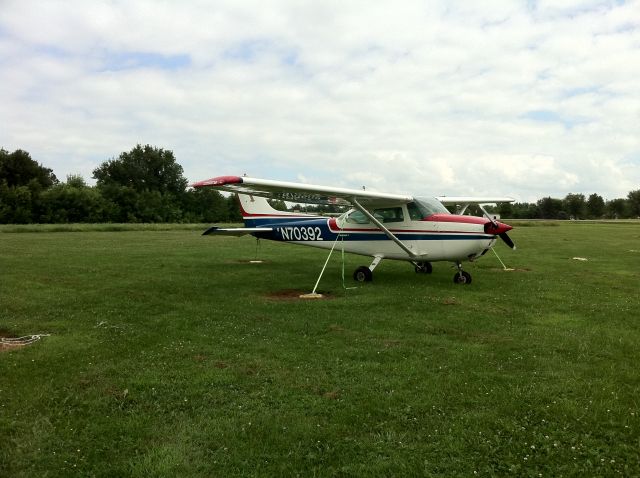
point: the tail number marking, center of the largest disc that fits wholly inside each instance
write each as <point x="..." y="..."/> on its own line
<point x="301" y="233"/>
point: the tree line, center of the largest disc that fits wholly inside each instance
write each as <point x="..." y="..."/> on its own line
<point x="575" y="206"/>
<point x="146" y="184"/>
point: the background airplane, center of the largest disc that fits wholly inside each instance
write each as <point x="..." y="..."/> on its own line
<point x="419" y="230"/>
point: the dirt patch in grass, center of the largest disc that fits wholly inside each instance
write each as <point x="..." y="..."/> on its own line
<point x="294" y="294"/>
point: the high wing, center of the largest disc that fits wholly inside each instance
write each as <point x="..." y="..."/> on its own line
<point x="299" y="192"/>
<point x="462" y="203"/>
<point x="465" y="200"/>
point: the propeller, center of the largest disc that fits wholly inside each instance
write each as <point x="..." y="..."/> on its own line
<point x="497" y="228"/>
<point x="500" y="229"/>
<point x="505" y="237"/>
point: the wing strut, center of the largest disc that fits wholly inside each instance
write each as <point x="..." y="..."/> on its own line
<point x="389" y="234"/>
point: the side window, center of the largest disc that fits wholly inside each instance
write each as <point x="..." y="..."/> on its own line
<point x="389" y="214"/>
<point x="414" y="212"/>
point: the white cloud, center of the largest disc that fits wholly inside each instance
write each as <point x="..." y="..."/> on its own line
<point x="502" y="98"/>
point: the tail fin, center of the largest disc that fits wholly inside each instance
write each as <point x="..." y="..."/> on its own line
<point x="256" y="206"/>
<point x="257" y="211"/>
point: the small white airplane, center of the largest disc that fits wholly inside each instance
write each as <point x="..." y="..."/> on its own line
<point x="384" y="226"/>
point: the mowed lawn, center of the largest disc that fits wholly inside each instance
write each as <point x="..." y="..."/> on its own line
<point x="170" y="354"/>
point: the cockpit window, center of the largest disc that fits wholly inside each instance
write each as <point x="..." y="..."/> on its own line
<point x="424" y="207"/>
<point x="389" y="214"/>
<point x="384" y="215"/>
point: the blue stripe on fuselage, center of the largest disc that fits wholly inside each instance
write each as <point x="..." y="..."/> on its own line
<point x="302" y="229"/>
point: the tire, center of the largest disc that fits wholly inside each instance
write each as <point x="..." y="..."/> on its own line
<point x="363" y="274"/>
<point x="462" y="277"/>
<point x="424" y="268"/>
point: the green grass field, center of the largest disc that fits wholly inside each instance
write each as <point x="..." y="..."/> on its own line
<point x="171" y="355"/>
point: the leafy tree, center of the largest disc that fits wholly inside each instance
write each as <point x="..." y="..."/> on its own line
<point x="505" y="209"/>
<point x="617" y="208"/>
<point x="205" y="205"/>
<point x="22" y="180"/>
<point x="575" y="205"/>
<point x="120" y="202"/>
<point x="16" y="204"/>
<point x="233" y="208"/>
<point x="76" y="181"/>
<point x="143" y="169"/>
<point x="595" y="206"/>
<point x="279" y="204"/>
<point x="153" y="206"/>
<point x="18" y="169"/>
<point x="634" y="203"/>
<point x="523" y="210"/>
<point x="550" y="208"/>
<point x="144" y="184"/>
<point x="72" y="201"/>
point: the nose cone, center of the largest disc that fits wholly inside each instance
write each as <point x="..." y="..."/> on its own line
<point x="497" y="228"/>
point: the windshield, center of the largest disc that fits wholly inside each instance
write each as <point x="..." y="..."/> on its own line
<point x="426" y="207"/>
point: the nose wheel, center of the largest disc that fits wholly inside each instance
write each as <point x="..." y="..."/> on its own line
<point x="461" y="277"/>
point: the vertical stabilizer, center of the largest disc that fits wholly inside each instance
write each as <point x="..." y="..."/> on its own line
<point x="254" y="205"/>
<point x="256" y="211"/>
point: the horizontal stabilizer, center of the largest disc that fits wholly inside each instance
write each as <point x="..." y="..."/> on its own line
<point x="235" y="231"/>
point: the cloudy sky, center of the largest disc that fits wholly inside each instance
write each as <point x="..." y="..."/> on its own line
<point x="521" y="98"/>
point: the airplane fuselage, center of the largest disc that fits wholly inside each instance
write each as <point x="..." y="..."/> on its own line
<point x="437" y="238"/>
<point x="381" y="225"/>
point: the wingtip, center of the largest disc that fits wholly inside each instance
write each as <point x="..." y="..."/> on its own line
<point x="217" y="181"/>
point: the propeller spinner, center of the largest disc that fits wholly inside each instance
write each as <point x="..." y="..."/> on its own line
<point x="500" y="229"/>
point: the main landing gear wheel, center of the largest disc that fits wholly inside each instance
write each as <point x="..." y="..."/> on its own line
<point x="462" y="277"/>
<point x="424" y="268"/>
<point x="363" y="274"/>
